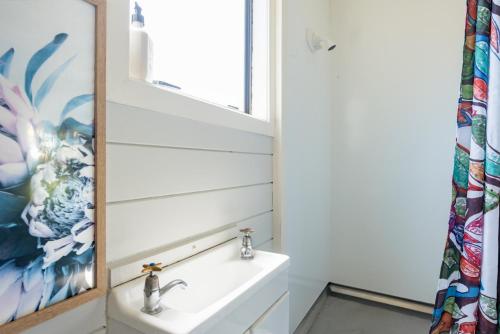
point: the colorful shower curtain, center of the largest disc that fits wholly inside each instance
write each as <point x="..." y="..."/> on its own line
<point x="467" y="298"/>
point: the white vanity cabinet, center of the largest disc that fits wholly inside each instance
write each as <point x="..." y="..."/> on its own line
<point x="275" y="320"/>
<point x="265" y="312"/>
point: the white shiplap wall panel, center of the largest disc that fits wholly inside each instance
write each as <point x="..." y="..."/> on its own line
<point x="143" y="225"/>
<point x="263" y="226"/>
<point x="126" y="124"/>
<point x="135" y="172"/>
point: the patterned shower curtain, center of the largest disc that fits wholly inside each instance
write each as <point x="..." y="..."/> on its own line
<point x="467" y="298"/>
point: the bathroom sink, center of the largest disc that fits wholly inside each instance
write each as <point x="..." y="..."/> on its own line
<point x="218" y="283"/>
<point x="205" y="289"/>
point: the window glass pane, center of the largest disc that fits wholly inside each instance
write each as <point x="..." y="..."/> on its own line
<point x="199" y="45"/>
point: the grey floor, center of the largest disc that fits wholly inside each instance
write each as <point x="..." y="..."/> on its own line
<point x="344" y="315"/>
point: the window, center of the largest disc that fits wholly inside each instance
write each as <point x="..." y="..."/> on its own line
<point x="212" y="50"/>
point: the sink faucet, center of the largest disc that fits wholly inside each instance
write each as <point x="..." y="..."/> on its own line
<point x="247" y="252"/>
<point x="152" y="290"/>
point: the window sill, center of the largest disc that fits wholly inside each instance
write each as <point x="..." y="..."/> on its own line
<point x="147" y="96"/>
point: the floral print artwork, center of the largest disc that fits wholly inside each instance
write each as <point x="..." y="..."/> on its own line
<point x="467" y="298"/>
<point x="46" y="189"/>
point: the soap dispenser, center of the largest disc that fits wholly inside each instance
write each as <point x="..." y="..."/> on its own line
<point x="141" y="48"/>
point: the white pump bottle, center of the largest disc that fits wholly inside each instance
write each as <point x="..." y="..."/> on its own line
<point x="141" y="48"/>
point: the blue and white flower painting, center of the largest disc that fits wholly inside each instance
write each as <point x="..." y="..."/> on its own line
<point x="47" y="183"/>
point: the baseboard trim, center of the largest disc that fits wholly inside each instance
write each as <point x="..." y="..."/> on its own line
<point x="382" y="299"/>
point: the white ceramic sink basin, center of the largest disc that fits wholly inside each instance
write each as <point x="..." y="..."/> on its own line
<point x="210" y="286"/>
<point x="218" y="282"/>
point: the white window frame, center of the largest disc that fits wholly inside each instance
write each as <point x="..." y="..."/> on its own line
<point x="124" y="90"/>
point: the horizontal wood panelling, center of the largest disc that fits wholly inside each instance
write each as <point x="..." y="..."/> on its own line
<point x="139" y="226"/>
<point x="124" y="270"/>
<point x="143" y="171"/>
<point x="128" y="124"/>
<point x="171" y="179"/>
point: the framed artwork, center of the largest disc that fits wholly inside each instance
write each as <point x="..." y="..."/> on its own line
<point x="52" y="158"/>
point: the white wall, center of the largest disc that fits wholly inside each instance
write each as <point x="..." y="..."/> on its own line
<point x="397" y="74"/>
<point x="303" y="154"/>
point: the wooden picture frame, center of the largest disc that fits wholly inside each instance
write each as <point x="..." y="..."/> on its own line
<point x="100" y="274"/>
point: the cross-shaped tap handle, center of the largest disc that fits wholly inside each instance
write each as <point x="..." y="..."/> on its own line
<point x="247" y="230"/>
<point x="151" y="267"/>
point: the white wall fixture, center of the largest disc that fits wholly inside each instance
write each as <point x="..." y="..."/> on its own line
<point x="224" y="295"/>
<point x="317" y="42"/>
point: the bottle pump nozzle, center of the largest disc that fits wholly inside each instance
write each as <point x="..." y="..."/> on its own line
<point x="137" y="16"/>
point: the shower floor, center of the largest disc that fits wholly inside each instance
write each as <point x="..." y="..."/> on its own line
<point x="345" y="315"/>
